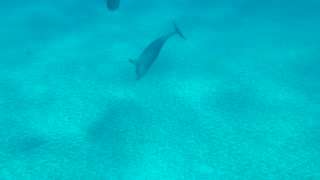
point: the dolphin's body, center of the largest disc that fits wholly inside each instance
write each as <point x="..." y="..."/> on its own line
<point x="150" y="54"/>
<point x="112" y="4"/>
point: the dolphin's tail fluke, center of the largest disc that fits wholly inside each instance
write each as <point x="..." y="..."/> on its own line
<point x="177" y="30"/>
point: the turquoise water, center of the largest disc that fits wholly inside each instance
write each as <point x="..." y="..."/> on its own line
<point x="239" y="99"/>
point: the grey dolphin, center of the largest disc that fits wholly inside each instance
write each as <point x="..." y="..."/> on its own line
<point x="150" y="54"/>
<point x="112" y="4"/>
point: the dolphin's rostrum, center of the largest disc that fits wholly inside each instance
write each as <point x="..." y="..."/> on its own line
<point x="150" y="54"/>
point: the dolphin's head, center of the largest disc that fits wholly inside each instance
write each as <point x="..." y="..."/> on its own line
<point x="138" y="77"/>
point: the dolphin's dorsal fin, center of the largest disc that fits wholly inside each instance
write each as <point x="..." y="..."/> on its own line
<point x="134" y="62"/>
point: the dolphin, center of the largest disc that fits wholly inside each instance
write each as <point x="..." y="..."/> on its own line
<point x="112" y="4"/>
<point x="150" y="54"/>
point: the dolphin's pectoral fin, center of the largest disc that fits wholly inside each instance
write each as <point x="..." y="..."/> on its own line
<point x="134" y="62"/>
